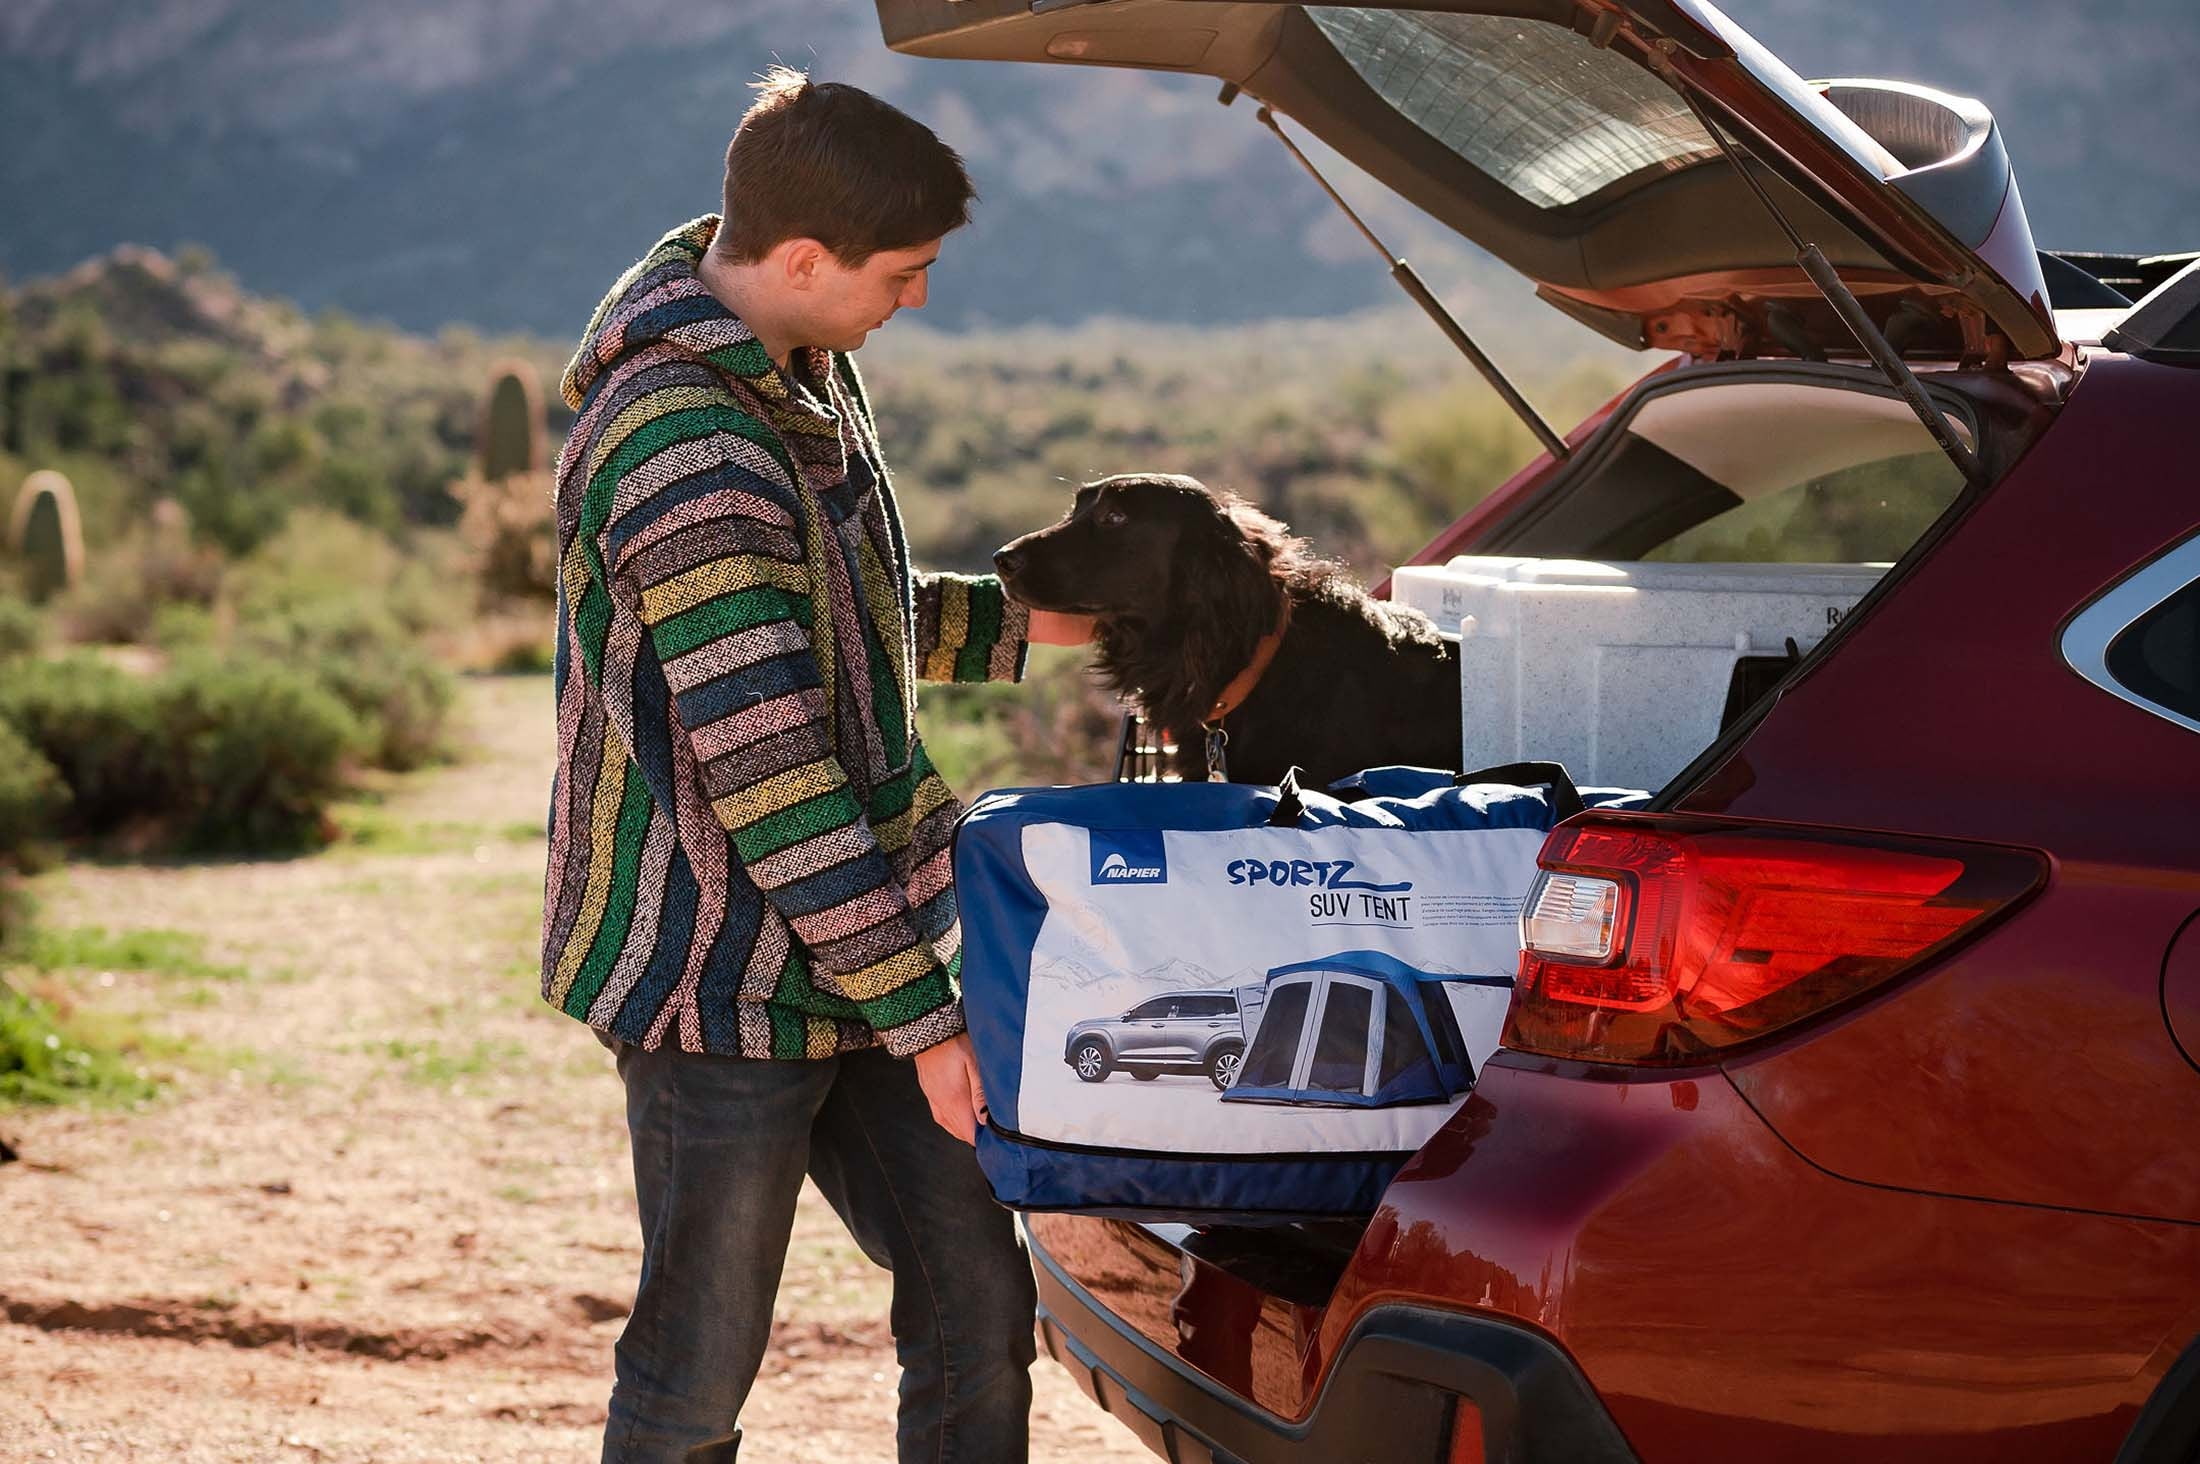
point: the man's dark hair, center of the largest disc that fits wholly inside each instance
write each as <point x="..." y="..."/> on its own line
<point x="825" y="161"/>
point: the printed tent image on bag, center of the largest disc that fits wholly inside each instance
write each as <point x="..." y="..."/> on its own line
<point x="1358" y="1029"/>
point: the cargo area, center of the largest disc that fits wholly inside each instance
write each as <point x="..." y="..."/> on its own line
<point x="1707" y="541"/>
<point x="1622" y="670"/>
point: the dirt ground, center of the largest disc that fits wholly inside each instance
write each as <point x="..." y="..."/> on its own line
<point x="382" y="1210"/>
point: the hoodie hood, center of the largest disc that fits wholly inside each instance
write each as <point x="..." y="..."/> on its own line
<point x="661" y="301"/>
<point x="661" y="306"/>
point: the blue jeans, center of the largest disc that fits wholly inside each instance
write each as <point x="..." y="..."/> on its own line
<point x="720" y="1148"/>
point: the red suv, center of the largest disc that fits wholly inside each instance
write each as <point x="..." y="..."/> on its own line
<point x="1848" y="1108"/>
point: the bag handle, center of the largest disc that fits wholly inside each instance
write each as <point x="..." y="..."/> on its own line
<point x="1565" y="797"/>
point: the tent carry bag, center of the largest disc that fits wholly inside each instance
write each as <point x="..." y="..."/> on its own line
<point x="1218" y="1001"/>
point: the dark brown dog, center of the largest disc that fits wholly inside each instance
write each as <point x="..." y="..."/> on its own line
<point x="1185" y="582"/>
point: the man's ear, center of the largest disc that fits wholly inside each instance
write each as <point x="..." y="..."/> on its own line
<point x="801" y="262"/>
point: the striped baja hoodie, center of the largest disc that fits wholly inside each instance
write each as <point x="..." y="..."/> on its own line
<point x="748" y="843"/>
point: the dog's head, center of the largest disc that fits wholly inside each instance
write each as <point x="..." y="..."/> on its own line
<point x="1151" y="546"/>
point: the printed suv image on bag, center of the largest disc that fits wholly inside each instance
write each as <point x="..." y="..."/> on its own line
<point x="1191" y="1033"/>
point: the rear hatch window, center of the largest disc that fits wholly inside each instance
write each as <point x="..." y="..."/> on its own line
<point x="1553" y="120"/>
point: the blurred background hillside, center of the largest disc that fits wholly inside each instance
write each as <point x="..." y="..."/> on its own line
<point x="496" y="161"/>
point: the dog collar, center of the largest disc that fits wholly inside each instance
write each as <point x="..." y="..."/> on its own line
<point x="1241" y="686"/>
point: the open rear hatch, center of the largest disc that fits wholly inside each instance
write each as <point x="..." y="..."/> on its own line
<point x="1567" y="138"/>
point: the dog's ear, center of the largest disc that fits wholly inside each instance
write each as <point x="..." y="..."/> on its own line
<point x="1280" y="549"/>
<point x="1223" y="592"/>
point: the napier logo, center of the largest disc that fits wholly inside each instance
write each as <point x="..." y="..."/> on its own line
<point x="1128" y="856"/>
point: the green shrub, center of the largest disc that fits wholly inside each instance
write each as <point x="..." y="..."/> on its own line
<point x="176" y="628"/>
<point x="42" y="1061"/>
<point x="348" y="606"/>
<point x="526" y="656"/>
<point x="319" y="557"/>
<point x="216" y="754"/>
<point x="399" y="695"/>
<point x="152" y="565"/>
<point x="32" y="799"/>
<point x="15" y="912"/>
<point x="259" y="751"/>
<point x="22" y="628"/>
<point x="100" y="728"/>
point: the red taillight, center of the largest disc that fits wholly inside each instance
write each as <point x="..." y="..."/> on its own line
<point x="1661" y="938"/>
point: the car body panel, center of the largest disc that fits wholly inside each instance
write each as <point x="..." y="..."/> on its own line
<point x="2181" y="990"/>
<point x="1243" y="1337"/>
<point x="1729" y="1300"/>
<point x="1935" y="722"/>
<point x="1725" y="1298"/>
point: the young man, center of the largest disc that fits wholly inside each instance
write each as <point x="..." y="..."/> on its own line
<point x="749" y="893"/>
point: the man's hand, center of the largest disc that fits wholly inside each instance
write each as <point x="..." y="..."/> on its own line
<point x="948" y="1074"/>
<point x="1059" y="628"/>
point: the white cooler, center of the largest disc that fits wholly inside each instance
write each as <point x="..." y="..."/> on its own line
<point x="1620" y="671"/>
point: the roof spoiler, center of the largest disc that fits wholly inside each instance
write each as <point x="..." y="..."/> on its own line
<point x="2165" y="326"/>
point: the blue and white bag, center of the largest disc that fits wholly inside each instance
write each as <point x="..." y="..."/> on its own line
<point x="1182" y="1009"/>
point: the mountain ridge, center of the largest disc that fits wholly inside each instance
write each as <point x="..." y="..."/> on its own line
<point x="497" y="162"/>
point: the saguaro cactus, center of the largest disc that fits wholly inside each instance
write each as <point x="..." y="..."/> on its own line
<point x="46" y="534"/>
<point x="512" y="424"/>
<point x="507" y="497"/>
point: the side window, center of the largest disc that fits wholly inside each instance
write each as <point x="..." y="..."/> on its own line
<point x="2157" y="656"/>
<point x="1151" y="1011"/>
<point x="1209" y="1006"/>
<point x="2140" y="641"/>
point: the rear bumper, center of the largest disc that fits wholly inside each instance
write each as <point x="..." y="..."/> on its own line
<point x="1391" y="1395"/>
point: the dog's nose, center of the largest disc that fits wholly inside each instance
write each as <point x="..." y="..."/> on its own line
<point x="1008" y="560"/>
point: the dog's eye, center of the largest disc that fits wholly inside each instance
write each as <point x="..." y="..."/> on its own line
<point x="1113" y="518"/>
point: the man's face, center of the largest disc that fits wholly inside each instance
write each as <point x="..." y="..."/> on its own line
<point x="845" y="304"/>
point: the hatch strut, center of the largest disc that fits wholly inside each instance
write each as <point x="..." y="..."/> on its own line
<point x="1842" y="299"/>
<point x="1412" y="284"/>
